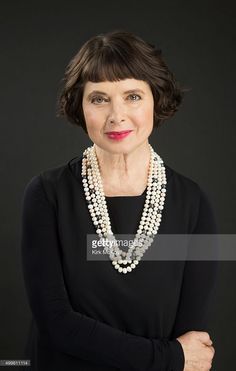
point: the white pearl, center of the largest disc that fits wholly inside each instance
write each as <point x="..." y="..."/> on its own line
<point x="150" y="219"/>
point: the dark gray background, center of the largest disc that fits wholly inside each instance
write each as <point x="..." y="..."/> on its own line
<point x="37" y="41"/>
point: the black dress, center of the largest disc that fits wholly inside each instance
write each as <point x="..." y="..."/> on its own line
<point x="86" y="315"/>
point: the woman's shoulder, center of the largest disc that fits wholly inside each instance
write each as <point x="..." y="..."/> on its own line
<point x="193" y="197"/>
<point x="181" y="182"/>
<point x="49" y="180"/>
<point x="55" y="173"/>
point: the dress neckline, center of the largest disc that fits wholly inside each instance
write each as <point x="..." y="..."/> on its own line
<point x="74" y="167"/>
<point x="125" y="196"/>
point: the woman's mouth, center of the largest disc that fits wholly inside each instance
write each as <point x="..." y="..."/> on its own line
<point x="118" y="135"/>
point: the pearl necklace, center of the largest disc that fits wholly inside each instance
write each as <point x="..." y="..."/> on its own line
<point x="151" y="216"/>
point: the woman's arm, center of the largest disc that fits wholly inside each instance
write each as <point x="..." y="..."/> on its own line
<point x="200" y="276"/>
<point x="64" y="329"/>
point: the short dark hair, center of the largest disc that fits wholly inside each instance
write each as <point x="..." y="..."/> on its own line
<point x="115" y="56"/>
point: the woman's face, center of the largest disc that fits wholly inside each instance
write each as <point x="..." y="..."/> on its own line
<point x="118" y="106"/>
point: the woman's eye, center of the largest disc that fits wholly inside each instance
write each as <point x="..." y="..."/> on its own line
<point x="135" y="95"/>
<point x="97" y="100"/>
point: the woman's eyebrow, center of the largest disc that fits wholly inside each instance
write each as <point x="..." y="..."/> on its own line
<point x="125" y="92"/>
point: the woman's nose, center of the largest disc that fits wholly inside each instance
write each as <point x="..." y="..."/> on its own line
<point x="117" y="113"/>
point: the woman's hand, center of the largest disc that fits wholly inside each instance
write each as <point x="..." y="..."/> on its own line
<point x="198" y="350"/>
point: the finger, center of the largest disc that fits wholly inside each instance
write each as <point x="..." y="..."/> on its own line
<point x="212" y="349"/>
<point x="207" y="343"/>
<point x="203" y="336"/>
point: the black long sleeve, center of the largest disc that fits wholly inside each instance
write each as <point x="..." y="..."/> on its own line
<point x="63" y="328"/>
<point x="86" y="315"/>
<point x="200" y="276"/>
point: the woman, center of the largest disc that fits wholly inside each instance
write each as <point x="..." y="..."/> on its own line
<point x="122" y="313"/>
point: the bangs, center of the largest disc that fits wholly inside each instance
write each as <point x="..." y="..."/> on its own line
<point x="111" y="65"/>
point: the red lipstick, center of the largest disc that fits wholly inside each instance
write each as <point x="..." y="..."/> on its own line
<point x="118" y="135"/>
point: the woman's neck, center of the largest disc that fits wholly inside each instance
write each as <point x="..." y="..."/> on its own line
<point x="124" y="173"/>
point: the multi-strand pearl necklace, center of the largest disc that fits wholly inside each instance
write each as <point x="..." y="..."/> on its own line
<point x="151" y="216"/>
